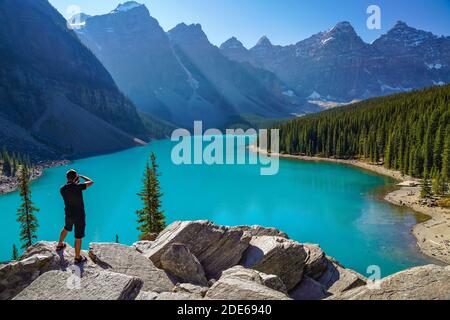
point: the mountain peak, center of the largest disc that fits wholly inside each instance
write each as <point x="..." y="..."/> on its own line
<point x="401" y="24"/>
<point x="232" y="43"/>
<point x="408" y="36"/>
<point x="343" y="26"/>
<point x="264" y="42"/>
<point x="185" y="33"/>
<point x="183" y="27"/>
<point x="127" y="6"/>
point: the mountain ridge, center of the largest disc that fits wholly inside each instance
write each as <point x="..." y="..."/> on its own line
<point x="335" y="63"/>
<point x="179" y="75"/>
<point x="57" y="99"/>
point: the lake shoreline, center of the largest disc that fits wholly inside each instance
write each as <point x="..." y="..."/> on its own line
<point x="433" y="235"/>
<point x="11" y="184"/>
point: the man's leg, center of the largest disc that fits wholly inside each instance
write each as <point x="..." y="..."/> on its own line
<point x="80" y="226"/>
<point x="62" y="236"/>
<point x="78" y="248"/>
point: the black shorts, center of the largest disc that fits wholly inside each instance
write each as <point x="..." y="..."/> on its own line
<point x="79" y="221"/>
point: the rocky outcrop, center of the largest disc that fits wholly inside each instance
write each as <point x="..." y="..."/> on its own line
<point x="272" y="268"/>
<point x="316" y="261"/>
<point x="217" y="248"/>
<point x="422" y="283"/>
<point x="243" y="284"/>
<point x="191" y="289"/>
<point x="16" y="276"/>
<point x="142" y="246"/>
<point x="279" y="256"/>
<point x="38" y="259"/>
<point x="183" y="291"/>
<point x="181" y="263"/>
<point x="309" y="289"/>
<point x="61" y="285"/>
<point x="337" y="279"/>
<point x="168" y="296"/>
<point x="126" y="260"/>
<point x="258" y="231"/>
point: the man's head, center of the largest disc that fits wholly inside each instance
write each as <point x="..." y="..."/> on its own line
<point x="71" y="175"/>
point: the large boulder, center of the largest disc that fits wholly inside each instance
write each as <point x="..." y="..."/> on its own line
<point x="191" y="289"/>
<point x="422" y="283"/>
<point x="63" y="285"/>
<point x="17" y="275"/>
<point x="309" y="289"/>
<point x="61" y="260"/>
<point x="337" y="279"/>
<point x="275" y="255"/>
<point x="269" y="280"/>
<point x="181" y="263"/>
<point x="146" y="296"/>
<point x="126" y="260"/>
<point x="142" y="246"/>
<point x="316" y="261"/>
<point x="36" y="260"/>
<point x="239" y="283"/>
<point x="258" y="231"/>
<point x="217" y="248"/>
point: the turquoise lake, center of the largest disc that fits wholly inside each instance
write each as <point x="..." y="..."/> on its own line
<point x="334" y="205"/>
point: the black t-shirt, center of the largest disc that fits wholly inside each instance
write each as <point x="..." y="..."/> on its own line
<point x="72" y="194"/>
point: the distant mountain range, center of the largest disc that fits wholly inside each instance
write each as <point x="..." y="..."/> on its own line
<point x="337" y="65"/>
<point x="180" y="76"/>
<point x="56" y="98"/>
<point x="60" y="98"/>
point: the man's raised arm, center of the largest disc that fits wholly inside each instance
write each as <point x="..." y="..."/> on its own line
<point x="89" y="182"/>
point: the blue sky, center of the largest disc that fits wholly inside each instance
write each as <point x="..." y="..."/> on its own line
<point x="283" y="21"/>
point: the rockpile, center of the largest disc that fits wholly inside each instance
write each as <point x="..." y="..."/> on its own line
<point x="199" y="260"/>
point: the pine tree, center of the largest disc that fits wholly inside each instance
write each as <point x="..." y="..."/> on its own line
<point x="26" y="212"/>
<point x="151" y="219"/>
<point x="440" y="185"/>
<point x="425" y="192"/>
<point x="159" y="220"/>
<point x="7" y="168"/>
<point x="446" y="155"/>
<point x="15" y="253"/>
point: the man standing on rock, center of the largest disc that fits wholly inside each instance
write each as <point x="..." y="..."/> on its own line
<point x="72" y="193"/>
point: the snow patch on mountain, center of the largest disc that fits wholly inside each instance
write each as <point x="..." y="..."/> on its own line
<point x="127" y="6"/>
<point x="325" y="41"/>
<point x="432" y="66"/>
<point x="289" y="93"/>
<point x="386" y="88"/>
<point x="315" y="95"/>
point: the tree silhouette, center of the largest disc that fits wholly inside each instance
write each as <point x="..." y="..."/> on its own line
<point x="151" y="218"/>
<point x="26" y="212"/>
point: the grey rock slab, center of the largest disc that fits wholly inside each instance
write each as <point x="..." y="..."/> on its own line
<point x="275" y="255"/>
<point x="422" y="283"/>
<point x="309" y="289"/>
<point x="126" y="260"/>
<point x="216" y="247"/>
<point x="63" y="285"/>
<point x="242" y="284"/>
<point x="181" y="263"/>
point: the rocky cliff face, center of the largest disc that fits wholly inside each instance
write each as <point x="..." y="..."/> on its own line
<point x="199" y="260"/>
<point x="180" y="76"/>
<point x="56" y="99"/>
<point x="136" y="51"/>
<point x="336" y="65"/>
